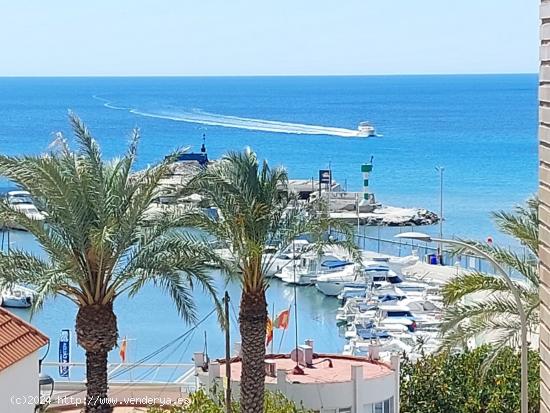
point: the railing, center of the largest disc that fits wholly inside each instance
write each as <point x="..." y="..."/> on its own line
<point x="424" y="250"/>
<point x="158" y="375"/>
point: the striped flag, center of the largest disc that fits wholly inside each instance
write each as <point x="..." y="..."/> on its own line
<point x="122" y="351"/>
<point x="282" y="320"/>
<point x="269" y="332"/>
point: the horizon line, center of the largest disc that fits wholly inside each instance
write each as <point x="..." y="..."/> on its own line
<point x="258" y="75"/>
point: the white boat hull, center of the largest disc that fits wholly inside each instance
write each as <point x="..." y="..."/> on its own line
<point x="330" y="288"/>
<point x="16" y="302"/>
<point x="300" y="279"/>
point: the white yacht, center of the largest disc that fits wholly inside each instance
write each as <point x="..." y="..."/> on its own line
<point x="21" y="201"/>
<point x="17" y="297"/>
<point x="365" y="130"/>
<point x="341" y="273"/>
<point x="305" y="269"/>
<point x="360" y="279"/>
<point x="278" y="260"/>
<point x="273" y="259"/>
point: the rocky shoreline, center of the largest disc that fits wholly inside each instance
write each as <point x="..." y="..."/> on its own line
<point x="390" y="216"/>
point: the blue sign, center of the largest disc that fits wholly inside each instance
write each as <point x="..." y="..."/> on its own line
<point x="64" y="352"/>
<point x="325" y="176"/>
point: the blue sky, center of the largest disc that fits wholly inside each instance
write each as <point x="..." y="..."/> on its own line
<point x="258" y="37"/>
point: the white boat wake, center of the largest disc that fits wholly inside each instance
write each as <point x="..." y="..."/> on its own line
<point x="213" y="119"/>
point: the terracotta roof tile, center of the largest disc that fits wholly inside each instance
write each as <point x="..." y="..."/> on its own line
<point x="18" y="339"/>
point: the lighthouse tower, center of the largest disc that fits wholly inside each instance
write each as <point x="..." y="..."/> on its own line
<point x="366" y="169"/>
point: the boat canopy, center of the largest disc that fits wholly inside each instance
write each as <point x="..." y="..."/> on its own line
<point x="372" y="334"/>
<point x="335" y="263"/>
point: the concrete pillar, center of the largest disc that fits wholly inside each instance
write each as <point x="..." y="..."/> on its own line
<point x="356" y="379"/>
<point x="281" y="380"/>
<point x="213" y="374"/>
<point x="396" y="367"/>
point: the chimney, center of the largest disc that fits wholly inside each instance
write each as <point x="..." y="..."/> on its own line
<point x="238" y="349"/>
<point x="198" y="358"/>
<point x="374" y="351"/>
<point x="395" y="361"/>
<point x="271" y="368"/>
<point x="213" y="374"/>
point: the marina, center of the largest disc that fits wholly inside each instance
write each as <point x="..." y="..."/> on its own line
<point x="318" y="316"/>
<point x="224" y="207"/>
<point x="388" y="303"/>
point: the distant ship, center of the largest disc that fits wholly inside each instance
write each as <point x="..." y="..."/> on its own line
<point x="365" y="130"/>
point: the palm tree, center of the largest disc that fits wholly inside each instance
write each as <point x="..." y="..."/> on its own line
<point x="478" y="304"/>
<point x="255" y="210"/>
<point x="100" y="242"/>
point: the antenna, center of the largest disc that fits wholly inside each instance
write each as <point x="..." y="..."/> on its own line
<point x="206" y="359"/>
<point x="203" y="147"/>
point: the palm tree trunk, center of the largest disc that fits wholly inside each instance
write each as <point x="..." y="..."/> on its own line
<point x="252" y="321"/>
<point x="96" y="382"/>
<point x="97" y="333"/>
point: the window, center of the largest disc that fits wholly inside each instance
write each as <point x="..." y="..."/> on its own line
<point x="387" y="406"/>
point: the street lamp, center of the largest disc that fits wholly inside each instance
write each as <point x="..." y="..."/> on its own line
<point x="45" y="383"/>
<point x="440" y="170"/>
<point x="418" y="236"/>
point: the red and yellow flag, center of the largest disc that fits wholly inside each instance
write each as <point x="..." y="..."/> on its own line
<point x="122" y="351"/>
<point x="269" y="332"/>
<point x="282" y="320"/>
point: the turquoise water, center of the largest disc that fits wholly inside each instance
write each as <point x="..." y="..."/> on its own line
<point x="482" y="129"/>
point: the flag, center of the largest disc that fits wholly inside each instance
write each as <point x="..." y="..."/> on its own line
<point x="122" y="351"/>
<point x="269" y="332"/>
<point x="282" y="320"/>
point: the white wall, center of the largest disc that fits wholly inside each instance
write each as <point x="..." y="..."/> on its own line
<point x="19" y="386"/>
<point x="327" y="396"/>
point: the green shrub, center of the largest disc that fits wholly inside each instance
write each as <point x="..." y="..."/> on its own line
<point x="458" y="383"/>
<point x="200" y="402"/>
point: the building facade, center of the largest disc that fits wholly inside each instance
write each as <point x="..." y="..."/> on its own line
<point x="19" y="372"/>
<point x="544" y="211"/>
<point x="329" y="383"/>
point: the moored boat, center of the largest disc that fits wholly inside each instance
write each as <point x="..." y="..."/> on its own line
<point x="21" y="201"/>
<point x="17" y="297"/>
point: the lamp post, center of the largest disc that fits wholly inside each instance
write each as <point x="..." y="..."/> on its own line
<point x="440" y="169"/>
<point x="45" y="383"/>
<point x="418" y="236"/>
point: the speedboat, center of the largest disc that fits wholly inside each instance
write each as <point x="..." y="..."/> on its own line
<point x="17" y="297"/>
<point x="365" y="130"/>
<point x="359" y="279"/>
<point x="21" y="201"/>
<point x="274" y="260"/>
<point x="331" y="283"/>
<point x="377" y="348"/>
<point x="305" y="269"/>
<point x="278" y="260"/>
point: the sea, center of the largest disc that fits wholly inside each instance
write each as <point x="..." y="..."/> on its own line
<point x="482" y="129"/>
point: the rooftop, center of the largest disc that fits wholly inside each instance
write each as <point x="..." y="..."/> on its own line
<point x="18" y="339"/>
<point x="320" y="372"/>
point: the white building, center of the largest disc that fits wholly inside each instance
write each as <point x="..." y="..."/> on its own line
<point x="330" y="383"/>
<point x="19" y="345"/>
